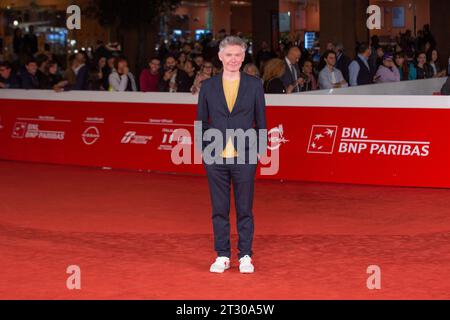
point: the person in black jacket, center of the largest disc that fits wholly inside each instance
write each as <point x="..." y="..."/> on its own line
<point x="41" y="73"/>
<point x="8" y="80"/>
<point x="232" y="100"/>
<point x="53" y="76"/>
<point x="81" y="72"/>
<point x="342" y="62"/>
<point x="28" y="75"/>
<point x="424" y="70"/>
<point x="30" y="42"/>
<point x="171" y="75"/>
<point x="273" y="72"/>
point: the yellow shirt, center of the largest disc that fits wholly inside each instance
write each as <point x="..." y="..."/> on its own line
<point x="230" y="88"/>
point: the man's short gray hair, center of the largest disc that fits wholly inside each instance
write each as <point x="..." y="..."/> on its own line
<point x="233" y="41"/>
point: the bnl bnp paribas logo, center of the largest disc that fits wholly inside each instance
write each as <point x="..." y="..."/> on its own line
<point x="330" y="139"/>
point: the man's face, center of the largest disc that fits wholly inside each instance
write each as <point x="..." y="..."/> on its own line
<point x="187" y="49"/>
<point x="5" y="72"/>
<point x="232" y="57"/>
<point x="188" y="67"/>
<point x="294" y="56"/>
<point x="171" y="63"/>
<point x="331" y="59"/>
<point x="199" y="61"/>
<point x="154" y="66"/>
<point x="330" y="46"/>
<point x="80" y="58"/>
<point x="121" y="66"/>
<point x="32" y="68"/>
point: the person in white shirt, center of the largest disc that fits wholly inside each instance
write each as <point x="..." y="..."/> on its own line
<point x="121" y="79"/>
<point x="330" y="77"/>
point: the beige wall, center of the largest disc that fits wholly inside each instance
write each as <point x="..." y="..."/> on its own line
<point x="422" y="13"/>
<point x="221" y="12"/>
<point x="241" y="19"/>
<point x="302" y="18"/>
<point x="313" y="16"/>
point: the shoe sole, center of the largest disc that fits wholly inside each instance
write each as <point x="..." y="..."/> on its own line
<point x="217" y="271"/>
<point x="247" y="272"/>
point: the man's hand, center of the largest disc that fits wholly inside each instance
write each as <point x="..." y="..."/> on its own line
<point x="60" y="86"/>
<point x="300" y="82"/>
<point x="290" y="88"/>
<point x="168" y="74"/>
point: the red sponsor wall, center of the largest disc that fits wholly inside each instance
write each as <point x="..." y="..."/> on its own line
<point x="365" y="145"/>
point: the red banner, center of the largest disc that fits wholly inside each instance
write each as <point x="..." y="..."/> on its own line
<point x="388" y="146"/>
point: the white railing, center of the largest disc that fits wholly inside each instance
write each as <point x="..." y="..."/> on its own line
<point x="425" y="87"/>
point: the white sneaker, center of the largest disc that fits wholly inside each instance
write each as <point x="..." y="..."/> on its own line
<point x="245" y="265"/>
<point x="220" y="265"/>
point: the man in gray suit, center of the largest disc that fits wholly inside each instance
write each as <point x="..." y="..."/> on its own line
<point x="292" y="74"/>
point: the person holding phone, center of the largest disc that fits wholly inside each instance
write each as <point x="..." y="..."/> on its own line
<point x="168" y="82"/>
<point x="291" y="77"/>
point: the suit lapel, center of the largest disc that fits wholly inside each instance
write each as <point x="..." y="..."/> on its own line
<point x="219" y="85"/>
<point x="241" y="91"/>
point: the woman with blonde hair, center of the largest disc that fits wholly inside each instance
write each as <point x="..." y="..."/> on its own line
<point x="273" y="71"/>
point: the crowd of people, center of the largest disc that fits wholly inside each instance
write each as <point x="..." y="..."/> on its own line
<point x="181" y="66"/>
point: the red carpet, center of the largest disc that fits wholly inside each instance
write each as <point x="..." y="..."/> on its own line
<point x="149" y="236"/>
